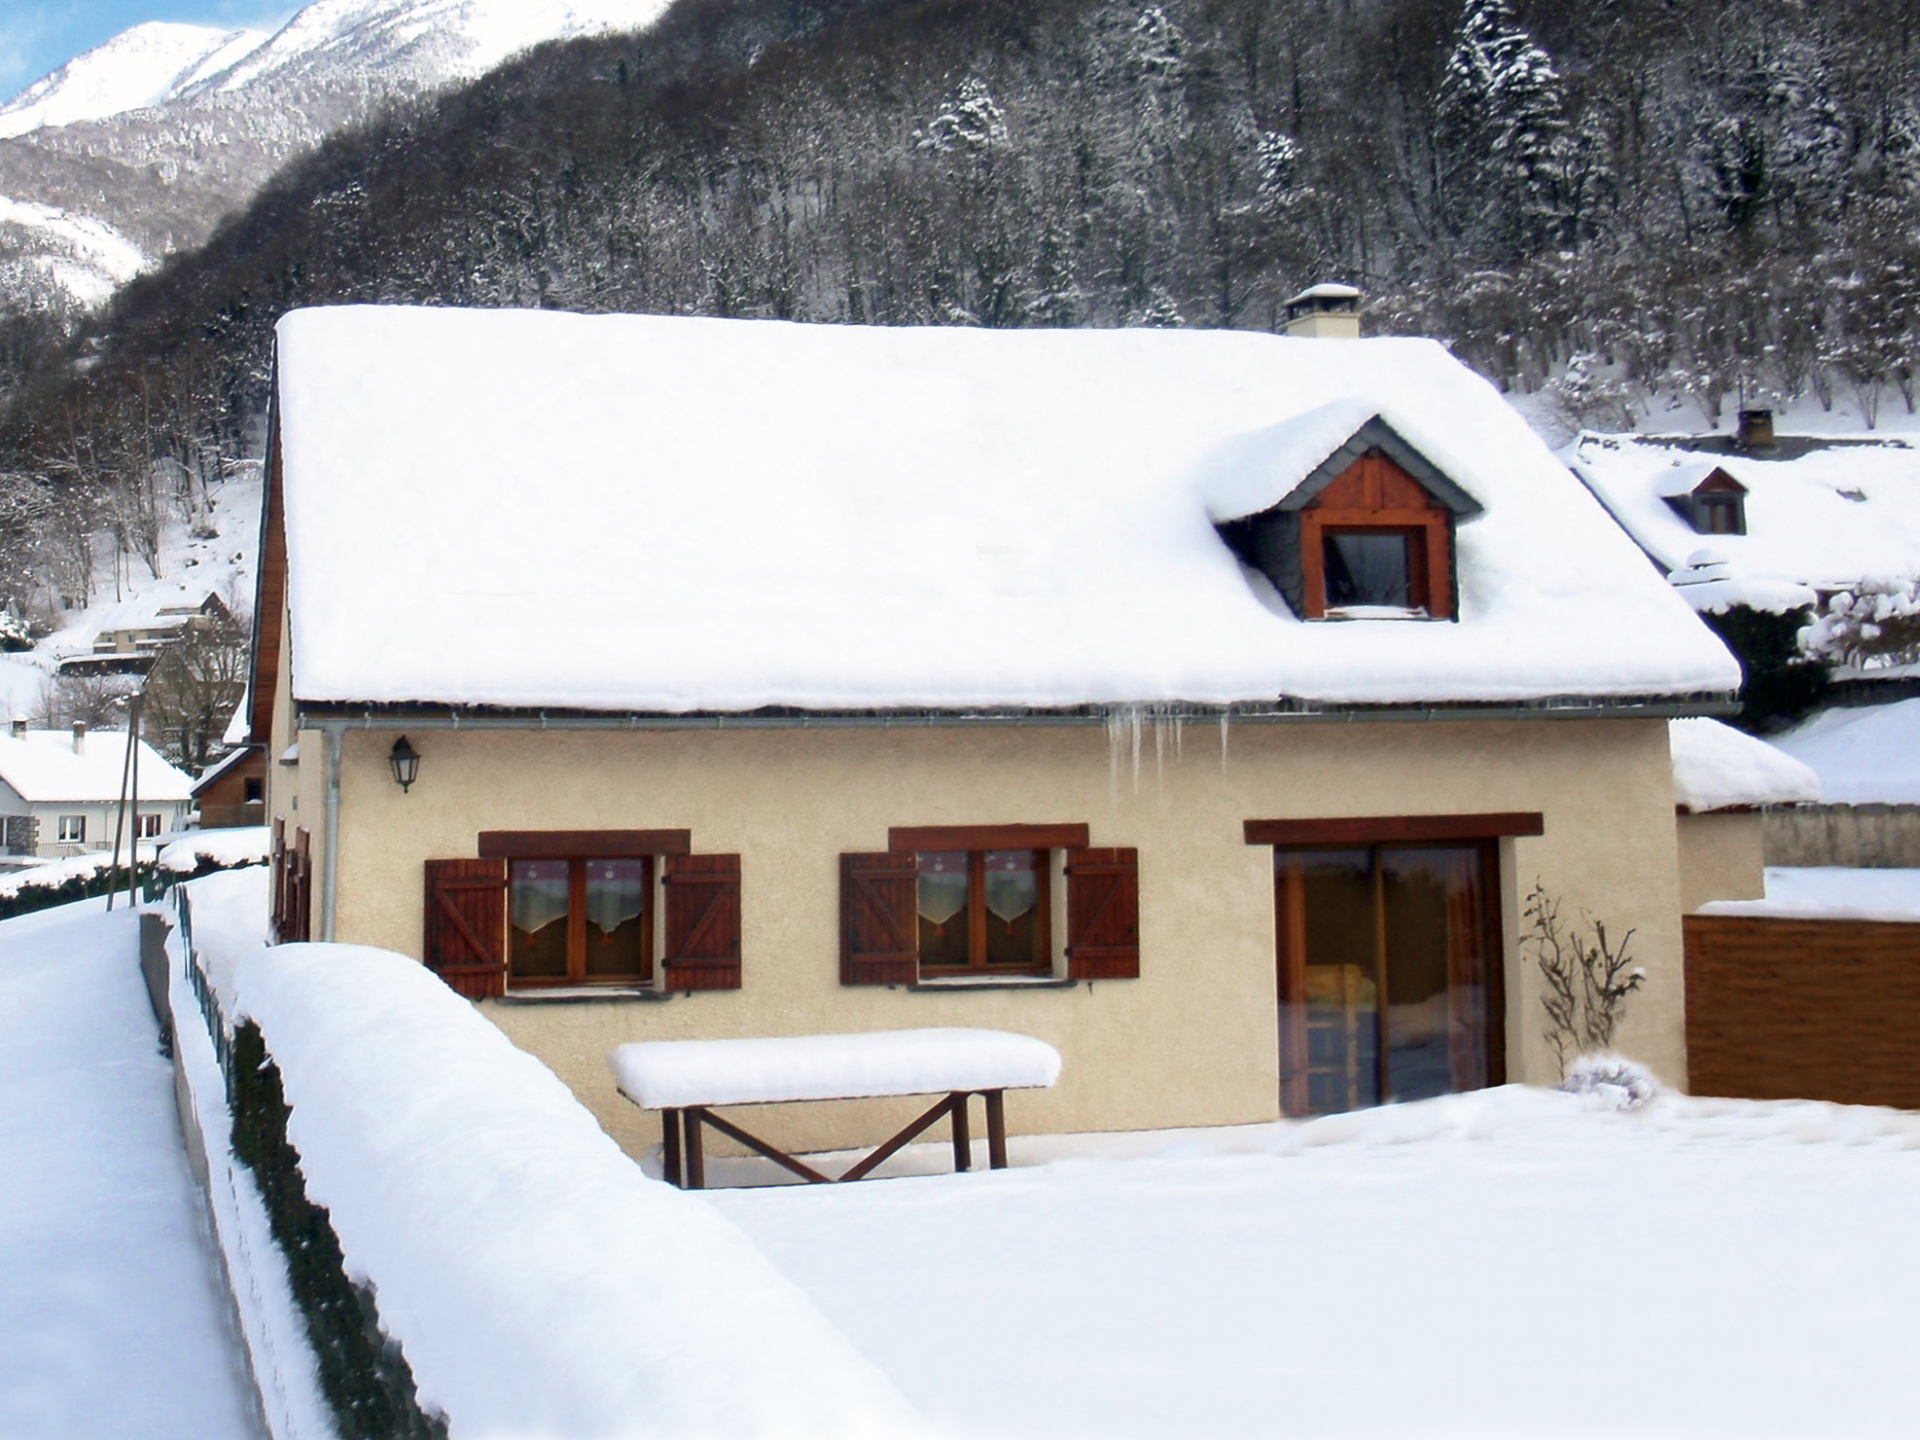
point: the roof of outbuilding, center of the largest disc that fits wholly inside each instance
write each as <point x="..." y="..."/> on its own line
<point x="534" y="509"/>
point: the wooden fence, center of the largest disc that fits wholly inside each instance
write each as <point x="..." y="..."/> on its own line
<point x="1781" y="1008"/>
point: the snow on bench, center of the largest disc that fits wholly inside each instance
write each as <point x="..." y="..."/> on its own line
<point x="684" y="1078"/>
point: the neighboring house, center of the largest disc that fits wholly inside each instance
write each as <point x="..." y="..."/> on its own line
<point x="158" y="617"/>
<point x="130" y="635"/>
<point x="1202" y="703"/>
<point x="233" y="791"/>
<point x="1751" y="518"/>
<point x="60" y="791"/>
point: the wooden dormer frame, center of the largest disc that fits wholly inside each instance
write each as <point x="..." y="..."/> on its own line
<point x="1373" y="493"/>
<point x="1375" y="481"/>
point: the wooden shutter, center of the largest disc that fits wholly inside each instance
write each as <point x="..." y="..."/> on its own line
<point x="278" y="876"/>
<point x="299" y="913"/>
<point x="703" y="922"/>
<point x="879" y="928"/>
<point x="466" y="934"/>
<point x="1103" y="914"/>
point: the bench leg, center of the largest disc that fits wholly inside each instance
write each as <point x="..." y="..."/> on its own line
<point x="670" y="1148"/>
<point x="962" y="1137"/>
<point x="696" y="1154"/>
<point x="996" y="1129"/>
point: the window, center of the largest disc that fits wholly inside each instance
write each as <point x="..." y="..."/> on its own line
<point x="1720" y="513"/>
<point x="149" y="826"/>
<point x="73" y="829"/>
<point x="1374" y="569"/>
<point x="579" y="921"/>
<point x="984" y="912"/>
<point x="256" y="790"/>
<point x="959" y="903"/>
<point x="546" y="909"/>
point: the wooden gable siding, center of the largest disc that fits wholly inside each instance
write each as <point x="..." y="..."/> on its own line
<point x="1375" y="493"/>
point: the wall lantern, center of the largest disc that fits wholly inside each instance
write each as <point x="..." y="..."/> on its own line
<point x="406" y="764"/>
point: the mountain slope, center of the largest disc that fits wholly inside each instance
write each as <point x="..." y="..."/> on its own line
<point x="156" y="135"/>
<point x="147" y="65"/>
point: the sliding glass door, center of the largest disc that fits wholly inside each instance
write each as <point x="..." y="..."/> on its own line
<point x="1390" y="977"/>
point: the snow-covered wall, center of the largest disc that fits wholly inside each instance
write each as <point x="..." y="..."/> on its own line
<point x="537" y="1282"/>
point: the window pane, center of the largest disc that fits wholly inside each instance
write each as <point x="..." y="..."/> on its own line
<point x="539" y="894"/>
<point x="1368" y="569"/>
<point x="1436" y="971"/>
<point x="943" y="909"/>
<point x="616" y="903"/>
<point x="1013" y="914"/>
<point x="1337" y="1009"/>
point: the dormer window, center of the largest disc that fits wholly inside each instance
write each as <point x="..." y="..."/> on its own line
<point x="1714" y="503"/>
<point x="1367" y="535"/>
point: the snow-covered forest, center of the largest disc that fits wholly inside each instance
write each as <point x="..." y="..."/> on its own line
<point x="1706" y="202"/>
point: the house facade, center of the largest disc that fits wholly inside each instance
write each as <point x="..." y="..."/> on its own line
<point x="60" y="792"/>
<point x="1204" y="704"/>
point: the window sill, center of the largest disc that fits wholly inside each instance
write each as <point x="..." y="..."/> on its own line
<point x="1377" y="612"/>
<point x="995" y="982"/>
<point x="574" y="994"/>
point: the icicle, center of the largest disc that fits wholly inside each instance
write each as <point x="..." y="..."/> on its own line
<point x="1225" y="713"/>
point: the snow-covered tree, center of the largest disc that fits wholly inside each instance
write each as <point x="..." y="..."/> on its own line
<point x="1501" y="133"/>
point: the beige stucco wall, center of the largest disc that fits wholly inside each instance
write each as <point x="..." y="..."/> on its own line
<point x="1721" y="858"/>
<point x="1193" y="1041"/>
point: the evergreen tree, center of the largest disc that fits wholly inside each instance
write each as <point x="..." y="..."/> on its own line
<point x="1501" y="135"/>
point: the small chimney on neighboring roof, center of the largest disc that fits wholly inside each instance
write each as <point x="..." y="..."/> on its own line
<point x="79" y="737"/>
<point x="19" y="728"/>
<point x="1325" y="311"/>
<point x="1756" y="430"/>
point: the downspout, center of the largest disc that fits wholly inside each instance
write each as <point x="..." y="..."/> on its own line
<point x="330" y="887"/>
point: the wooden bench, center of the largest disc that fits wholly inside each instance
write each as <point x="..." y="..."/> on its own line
<point x="686" y="1079"/>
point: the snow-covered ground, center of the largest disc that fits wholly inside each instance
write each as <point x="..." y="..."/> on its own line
<point x="1504" y="1263"/>
<point x="1863" y="754"/>
<point x="112" y="1322"/>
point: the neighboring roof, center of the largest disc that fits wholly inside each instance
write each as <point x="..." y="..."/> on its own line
<point x="1716" y="767"/>
<point x="1865" y="755"/>
<point x="43" y="767"/>
<point x="1832" y="514"/>
<point x="537" y="509"/>
<point x="160" y="608"/>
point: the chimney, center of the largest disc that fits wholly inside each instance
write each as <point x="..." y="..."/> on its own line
<point x="1756" y="430"/>
<point x="1325" y="312"/>
<point x="19" y="729"/>
<point x="79" y="737"/>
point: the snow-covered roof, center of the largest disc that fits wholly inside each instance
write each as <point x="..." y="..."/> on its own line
<point x="533" y="509"/>
<point x="1823" y="513"/>
<point x="1716" y="767"/>
<point x="1864" y="755"/>
<point x="169" y="604"/>
<point x="42" y="766"/>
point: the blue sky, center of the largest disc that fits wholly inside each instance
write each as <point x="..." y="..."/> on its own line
<point x="39" y="35"/>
